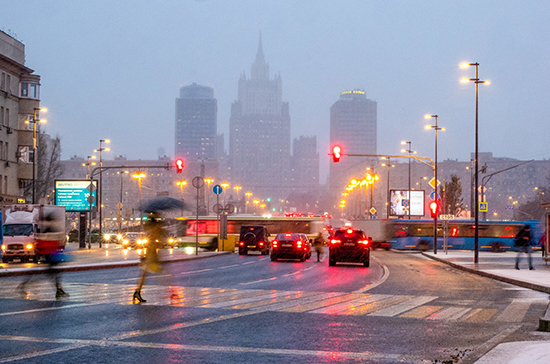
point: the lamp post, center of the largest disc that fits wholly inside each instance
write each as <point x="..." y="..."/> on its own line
<point x="35" y="119"/>
<point x="100" y="150"/>
<point x="388" y="195"/>
<point x="477" y="81"/>
<point x="181" y="183"/>
<point x="224" y="186"/>
<point x="119" y="211"/>
<point x="139" y="176"/>
<point x="436" y="128"/>
<point x="208" y="182"/>
<point x="408" y="150"/>
<point x="247" y="194"/>
<point x="88" y="164"/>
<point x="237" y="188"/>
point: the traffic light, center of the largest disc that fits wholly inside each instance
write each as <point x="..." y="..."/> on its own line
<point x="434" y="208"/>
<point x="336" y="153"/>
<point x="179" y="165"/>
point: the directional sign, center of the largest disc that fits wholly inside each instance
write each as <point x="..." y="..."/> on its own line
<point x="432" y="196"/>
<point x="483" y="207"/>
<point x="217" y="189"/>
<point x="432" y="182"/>
<point x="446" y="217"/>
<point x="372" y="210"/>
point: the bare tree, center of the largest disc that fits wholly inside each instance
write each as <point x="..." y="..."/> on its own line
<point x="451" y="193"/>
<point x="48" y="168"/>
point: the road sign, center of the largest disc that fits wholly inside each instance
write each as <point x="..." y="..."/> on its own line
<point x="217" y="189"/>
<point x="372" y="217"/>
<point x="483" y="207"/>
<point x="482" y="189"/>
<point x="119" y="205"/>
<point x="198" y="182"/>
<point x="405" y="202"/>
<point x="218" y="208"/>
<point x="447" y="217"/>
<point x="372" y="210"/>
<point x="432" y="182"/>
<point x="432" y="196"/>
<point x="229" y="208"/>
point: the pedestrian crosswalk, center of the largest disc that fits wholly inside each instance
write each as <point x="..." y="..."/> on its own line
<point x="327" y="303"/>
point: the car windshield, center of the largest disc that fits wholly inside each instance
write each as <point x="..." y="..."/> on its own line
<point x="287" y="237"/>
<point x="18" y="229"/>
<point x="132" y="235"/>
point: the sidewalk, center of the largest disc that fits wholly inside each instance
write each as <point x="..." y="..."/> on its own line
<point x="501" y="266"/>
<point x="107" y="257"/>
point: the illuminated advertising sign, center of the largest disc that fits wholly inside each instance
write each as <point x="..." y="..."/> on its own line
<point x="76" y="195"/>
<point x="400" y="203"/>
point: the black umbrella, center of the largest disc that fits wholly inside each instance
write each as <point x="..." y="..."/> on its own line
<point x="164" y="204"/>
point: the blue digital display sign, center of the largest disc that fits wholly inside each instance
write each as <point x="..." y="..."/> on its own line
<point x="75" y="195"/>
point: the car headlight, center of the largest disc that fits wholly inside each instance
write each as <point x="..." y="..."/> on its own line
<point x="125" y="242"/>
<point x="107" y="236"/>
<point x="3" y="247"/>
<point x="119" y="237"/>
<point x="171" y="240"/>
<point x="29" y="246"/>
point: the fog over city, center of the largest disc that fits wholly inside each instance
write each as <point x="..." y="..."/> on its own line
<point x="114" y="69"/>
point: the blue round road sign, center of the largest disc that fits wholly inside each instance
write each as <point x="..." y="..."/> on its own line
<point x="218" y="189"/>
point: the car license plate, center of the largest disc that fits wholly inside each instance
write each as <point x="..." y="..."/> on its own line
<point x="286" y="245"/>
<point x="349" y="244"/>
<point x="251" y="246"/>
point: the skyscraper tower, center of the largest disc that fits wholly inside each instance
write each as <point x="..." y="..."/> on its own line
<point x="259" y="133"/>
<point x="196" y="123"/>
<point x="353" y="128"/>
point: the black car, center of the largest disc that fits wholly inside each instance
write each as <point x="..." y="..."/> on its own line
<point x="349" y="245"/>
<point x="290" y="246"/>
<point x="255" y="238"/>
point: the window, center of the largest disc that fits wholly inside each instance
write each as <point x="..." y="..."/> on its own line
<point x="24" y="89"/>
<point x="30" y="90"/>
<point x="8" y="83"/>
<point x="6" y="151"/>
<point x="7" y="118"/>
<point x="3" y="81"/>
<point x="2" y="115"/>
<point x="1" y="185"/>
<point x="5" y="184"/>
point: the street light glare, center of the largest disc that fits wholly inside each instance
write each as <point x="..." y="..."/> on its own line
<point x="427" y="116"/>
<point x="428" y="127"/>
<point x="464" y="80"/>
<point x="403" y="142"/>
<point x="464" y="65"/>
<point x="107" y="140"/>
<point x="487" y="82"/>
<point x="43" y="109"/>
<point x="442" y="129"/>
<point x="42" y="120"/>
<point x="403" y="150"/>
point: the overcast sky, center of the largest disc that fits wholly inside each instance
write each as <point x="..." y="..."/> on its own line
<point x="113" y="69"/>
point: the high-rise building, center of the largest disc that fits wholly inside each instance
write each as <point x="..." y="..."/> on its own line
<point x="305" y="165"/>
<point x="353" y="128"/>
<point x="196" y="123"/>
<point x="259" y="135"/>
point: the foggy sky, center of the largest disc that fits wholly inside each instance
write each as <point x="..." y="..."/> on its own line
<point x="113" y="69"/>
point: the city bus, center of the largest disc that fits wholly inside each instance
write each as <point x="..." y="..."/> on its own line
<point x="493" y="236"/>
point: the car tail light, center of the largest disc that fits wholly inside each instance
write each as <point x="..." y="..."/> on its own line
<point x="298" y="244"/>
<point x="241" y="243"/>
<point x="274" y="243"/>
<point x="288" y="234"/>
<point x="335" y="241"/>
<point x="261" y="243"/>
<point x="364" y="242"/>
<point x="349" y="231"/>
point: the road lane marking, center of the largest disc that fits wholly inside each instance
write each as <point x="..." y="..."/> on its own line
<point x="152" y="276"/>
<point x="248" y="263"/>
<point x="196" y="271"/>
<point x="515" y="312"/>
<point x="51" y="308"/>
<point x="272" y="294"/>
<point x="481" y="315"/>
<point x="421" y="312"/>
<point x="229" y="266"/>
<point x="258" y="281"/>
<point x="323" y="303"/>
<point x="285" y="299"/>
<point x="351" y="305"/>
<point x="450" y="314"/>
<point x="375" y="306"/>
<point x="76" y="343"/>
<point x="380" y="281"/>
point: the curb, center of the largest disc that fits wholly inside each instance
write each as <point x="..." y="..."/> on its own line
<point x="544" y="322"/>
<point x="99" y="266"/>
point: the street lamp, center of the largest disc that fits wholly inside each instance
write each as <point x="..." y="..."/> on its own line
<point x="408" y="150"/>
<point x="119" y="211"/>
<point x="224" y="186"/>
<point x="388" y="195"/>
<point x="181" y="183"/>
<point x="237" y="188"/>
<point x="88" y="164"/>
<point x="477" y="81"/>
<point x="100" y="150"/>
<point x="436" y="128"/>
<point x="139" y="176"/>
<point x="256" y="202"/>
<point x="35" y="119"/>
<point x="247" y="194"/>
<point x="208" y="182"/>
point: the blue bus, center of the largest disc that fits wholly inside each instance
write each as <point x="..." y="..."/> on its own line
<point x="493" y="236"/>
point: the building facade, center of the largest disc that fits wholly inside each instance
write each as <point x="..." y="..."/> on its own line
<point x="305" y="165"/>
<point x="196" y="123"/>
<point x="353" y="121"/>
<point x="19" y="102"/>
<point x="259" y="135"/>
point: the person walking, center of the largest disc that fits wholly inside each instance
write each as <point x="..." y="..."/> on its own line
<point x="151" y="263"/>
<point x="523" y="243"/>
<point x="318" y="245"/>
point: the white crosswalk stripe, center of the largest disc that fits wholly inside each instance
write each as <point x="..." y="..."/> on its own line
<point x="327" y="303"/>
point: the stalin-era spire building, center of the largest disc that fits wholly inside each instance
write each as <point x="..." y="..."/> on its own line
<point x="259" y="135"/>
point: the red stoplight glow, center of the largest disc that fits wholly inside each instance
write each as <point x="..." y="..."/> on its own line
<point x="179" y="165"/>
<point x="433" y="207"/>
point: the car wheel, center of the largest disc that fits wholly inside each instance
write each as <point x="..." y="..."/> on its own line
<point x="495" y="247"/>
<point x="273" y="258"/>
<point x="331" y="262"/>
<point x="303" y="258"/>
<point x="242" y="252"/>
<point x="366" y="262"/>
<point x="309" y="255"/>
<point x="35" y="259"/>
<point x="5" y="260"/>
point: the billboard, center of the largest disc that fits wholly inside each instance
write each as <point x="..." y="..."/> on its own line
<point x="75" y="194"/>
<point x="400" y="203"/>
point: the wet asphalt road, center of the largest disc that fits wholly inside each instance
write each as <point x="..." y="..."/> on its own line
<point x="247" y="309"/>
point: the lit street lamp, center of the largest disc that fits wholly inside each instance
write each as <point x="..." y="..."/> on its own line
<point x="477" y="81"/>
<point x="35" y="119"/>
<point x="119" y="211"/>
<point x="237" y="188"/>
<point x="100" y="150"/>
<point x="408" y="150"/>
<point x="88" y="164"/>
<point x="436" y="128"/>
<point x="139" y="176"/>
<point x="208" y="182"/>
<point x="181" y="183"/>
<point x="224" y="186"/>
<point x="247" y="194"/>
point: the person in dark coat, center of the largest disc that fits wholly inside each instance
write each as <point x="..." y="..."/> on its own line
<point x="523" y="243"/>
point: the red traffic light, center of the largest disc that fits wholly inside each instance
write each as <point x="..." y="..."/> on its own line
<point x="179" y="165"/>
<point x="336" y="153"/>
<point x="434" y="208"/>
